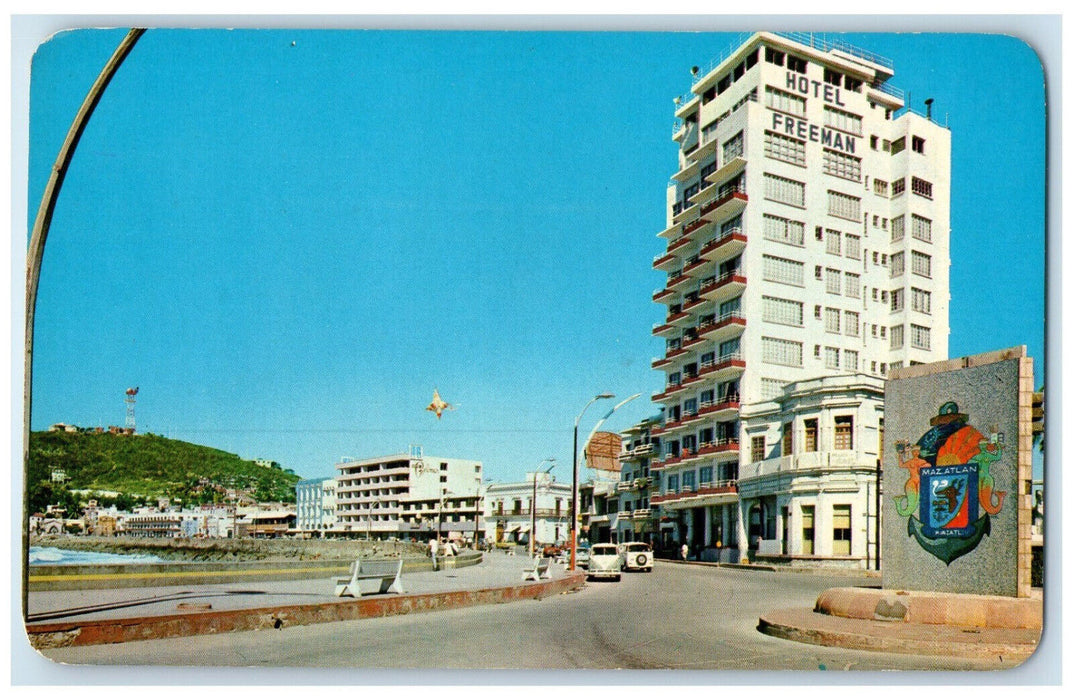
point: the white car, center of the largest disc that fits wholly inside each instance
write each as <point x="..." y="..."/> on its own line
<point x="605" y="562"/>
<point x="637" y="555"/>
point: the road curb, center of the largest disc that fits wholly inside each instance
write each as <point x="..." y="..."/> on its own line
<point x="898" y="637"/>
<point x="114" y="631"/>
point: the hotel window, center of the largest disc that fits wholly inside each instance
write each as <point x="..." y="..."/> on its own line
<point x="832" y="320"/>
<point x="921" y="187"/>
<point x="897" y="146"/>
<point x="770" y="388"/>
<point x="921" y="301"/>
<point x="730" y="349"/>
<point x="830" y="358"/>
<point x="672" y="483"/>
<point x="849" y="357"/>
<point x="880" y="187"/>
<point x="705" y="476"/>
<point x="921" y="264"/>
<point x="843" y="432"/>
<point x="778" y="351"/>
<point x="920" y="337"/>
<point x="853" y="285"/>
<point x="853" y="84"/>
<point x="733" y="147"/>
<point x="758" y="448"/>
<point x="784" y="271"/>
<point x="842" y="205"/>
<point x="834" y="281"/>
<point x="841" y="165"/>
<point x="921" y="228"/>
<point x="853" y="246"/>
<point x="817" y="311"/>
<point x="918" y="144"/>
<point x="897" y="187"/>
<point x="841" y="532"/>
<point x="897" y="334"/>
<point x="819" y="272"/>
<point x="784" y="148"/>
<point x="897" y="300"/>
<point x="797" y="65"/>
<point x="843" y="121"/>
<point x="808" y="529"/>
<point x="897" y="228"/>
<point x="783" y="230"/>
<point x="773" y="56"/>
<point x="834" y="242"/>
<point x="832" y="77"/>
<point x="851" y="323"/>
<point x="785" y="102"/>
<point x="811" y="434"/>
<point x="729" y="307"/>
<point x="784" y="311"/>
<point x="787" y="438"/>
<point x="785" y="190"/>
<point x="897" y="264"/>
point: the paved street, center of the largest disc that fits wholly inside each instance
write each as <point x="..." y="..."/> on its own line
<point x="678" y="617"/>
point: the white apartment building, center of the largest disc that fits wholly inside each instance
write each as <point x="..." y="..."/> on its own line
<point x="509" y="510"/>
<point x="636" y="520"/>
<point x="315" y="505"/>
<point x="807" y="236"/>
<point x="407" y="495"/>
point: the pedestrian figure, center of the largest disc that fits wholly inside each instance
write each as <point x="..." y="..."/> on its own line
<point x="685" y="551"/>
<point x="433" y="549"/>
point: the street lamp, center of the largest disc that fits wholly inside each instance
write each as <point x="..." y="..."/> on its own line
<point x="573" y="487"/>
<point x="477" y="514"/>
<point x="573" y="525"/>
<point x="532" y="504"/>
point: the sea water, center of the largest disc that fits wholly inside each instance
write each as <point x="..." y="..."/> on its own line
<point x="54" y="555"/>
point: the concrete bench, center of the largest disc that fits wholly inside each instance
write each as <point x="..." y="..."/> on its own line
<point x="371" y="577"/>
<point x="539" y="569"/>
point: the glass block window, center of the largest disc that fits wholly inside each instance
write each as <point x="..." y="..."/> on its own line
<point x="770" y="388"/>
<point x="784" y="311"/>
<point x="897" y="228"/>
<point x="785" y="190"/>
<point x="920" y="337"/>
<point x="834" y="281"/>
<point x="830" y="358"/>
<point x="921" y="187"/>
<point x="778" y="351"/>
<point x="841" y="165"/>
<point x="897" y="337"/>
<point x="853" y="285"/>
<point x="851" y="322"/>
<point x="784" y="148"/>
<point x="783" y="270"/>
<point x="842" y="205"/>
<point x="783" y="230"/>
<point x="921" y="228"/>
<point x="849" y="358"/>
<point x="853" y="246"/>
<point x="733" y="147"/>
<point x="897" y="264"/>
<point x="834" y="242"/>
<point x="832" y="320"/>
<point x="921" y="301"/>
<point x="921" y="264"/>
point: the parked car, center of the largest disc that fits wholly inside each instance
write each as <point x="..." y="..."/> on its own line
<point x="552" y="550"/>
<point x="605" y="561"/>
<point x="582" y="559"/>
<point x="637" y="555"/>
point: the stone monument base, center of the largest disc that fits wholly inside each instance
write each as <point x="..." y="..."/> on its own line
<point x="915" y="622"/>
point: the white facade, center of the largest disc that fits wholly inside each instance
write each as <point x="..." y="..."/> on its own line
<point x="315" y="504"/>
<point x="807" y="236"/>
<point x="508" y="510"/>
<point x="406" y="495"/>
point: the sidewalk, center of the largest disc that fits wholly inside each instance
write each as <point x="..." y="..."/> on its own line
<point x="60" y="618"/>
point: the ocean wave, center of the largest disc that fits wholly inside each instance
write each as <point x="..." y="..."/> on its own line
<point x="54" y="555"/>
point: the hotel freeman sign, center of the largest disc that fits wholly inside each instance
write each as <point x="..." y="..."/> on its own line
<point x="801" y="128"/>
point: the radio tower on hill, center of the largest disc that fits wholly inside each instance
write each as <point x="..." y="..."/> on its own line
<point x="129" y="400"/>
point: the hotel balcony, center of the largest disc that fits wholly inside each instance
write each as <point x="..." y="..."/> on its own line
<point x="727" y="285"/>
<point x="642" y="514"/>
<point x="636" y="452"/>
<point x="726" y="245"/>
<point x="832" y="460"/>
<point x="728" y="202"/>
<point x="683" y="240"/>
<point x="695" y="225"/>
<point x="664" y="296"/>
<point x="723" y="328"/>
<point x="665" y="262"/>
<point x="725" y="409"/>
<point x="671" y="232"/>
<point x="715" y="182"/>
<point x="723" y="367"/>
<point x="712" y="493"/>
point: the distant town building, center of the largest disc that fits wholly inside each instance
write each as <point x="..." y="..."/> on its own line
<point x="407" y="495"/>
<point x="315" y="505"/>
<point x="637" y="520"/>
<point x="509" y="510"/>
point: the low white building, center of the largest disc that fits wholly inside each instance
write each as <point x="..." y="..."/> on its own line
<point x="807" y="493"/>
<point x="315" y="505"/>
<point x="509" y="510"/>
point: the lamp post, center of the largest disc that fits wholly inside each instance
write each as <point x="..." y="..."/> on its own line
<point x="573" y="487"/>
<point x="532" y="504"/>
<point x="477" y="515"/>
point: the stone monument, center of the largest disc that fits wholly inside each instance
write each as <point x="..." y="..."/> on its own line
<point x="957" y="476"/>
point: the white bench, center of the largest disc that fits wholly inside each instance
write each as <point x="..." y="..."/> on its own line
<point x="371" y="577"/>
<point x="539" y="569"/>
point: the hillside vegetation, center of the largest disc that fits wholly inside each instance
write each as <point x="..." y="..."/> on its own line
<point x="143" y="468"/>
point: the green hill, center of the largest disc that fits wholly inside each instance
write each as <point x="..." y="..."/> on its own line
<point x="145" y="467"/>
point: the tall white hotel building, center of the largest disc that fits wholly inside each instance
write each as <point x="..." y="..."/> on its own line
<point x="807" y="254"/>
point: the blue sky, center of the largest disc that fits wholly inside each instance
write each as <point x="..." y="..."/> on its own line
<point x="289" y="238"/>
